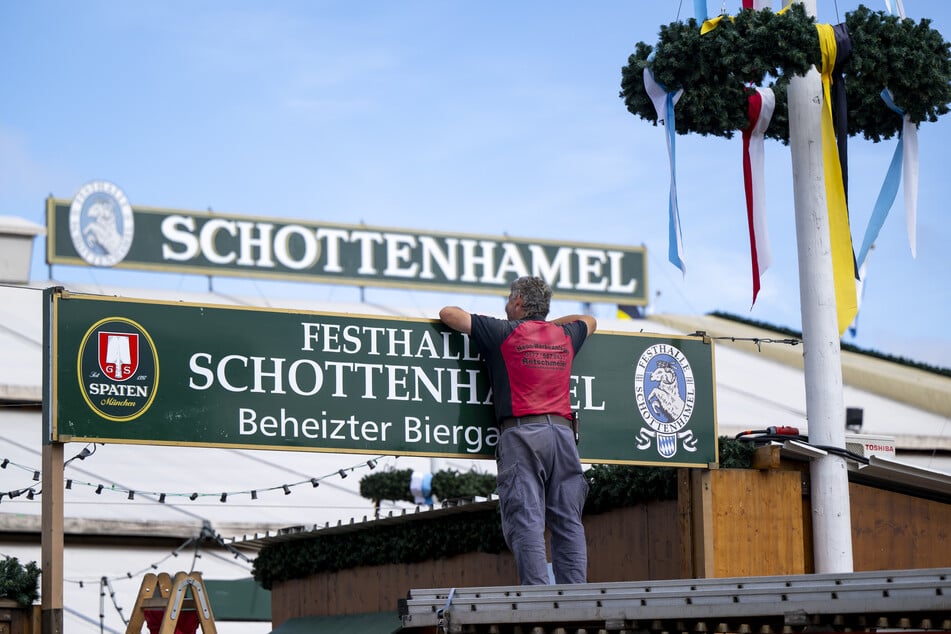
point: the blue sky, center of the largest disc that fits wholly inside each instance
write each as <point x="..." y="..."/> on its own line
<point x="474" y="117"/>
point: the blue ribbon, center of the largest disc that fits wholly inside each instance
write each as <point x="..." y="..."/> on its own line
<point x="674" y="235"/>
<point x="886" y="197"/>
<point x="428" y="488"/>
<point x="665" y="111"/>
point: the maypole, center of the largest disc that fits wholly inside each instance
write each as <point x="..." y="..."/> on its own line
<point x="709" y="76"/>
<point x="825" y="408"/>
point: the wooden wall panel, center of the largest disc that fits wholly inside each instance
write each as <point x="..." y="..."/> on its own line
<point x="757" y="522"/>
<point x="893" y="531"/>
<point x="664" y="553"/>
<point x="618" y="545"/>
<point x="15" y="619"/>
<point x="636" y="543"/>
<point x="378" y="588"/>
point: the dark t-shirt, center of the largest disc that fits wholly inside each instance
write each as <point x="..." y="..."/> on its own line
<point x="529" y="363"/>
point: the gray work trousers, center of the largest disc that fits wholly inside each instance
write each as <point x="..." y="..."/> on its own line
<point x="540" y="479"/>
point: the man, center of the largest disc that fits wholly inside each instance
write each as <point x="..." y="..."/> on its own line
<point x="540" y="478"/>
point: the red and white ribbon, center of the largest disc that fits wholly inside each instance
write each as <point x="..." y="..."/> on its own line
<point x="762" y="102"/>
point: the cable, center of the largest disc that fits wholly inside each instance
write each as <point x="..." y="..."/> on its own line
<point x="782" y="434"/>
<point x="85" y="453"/>
<point x="770" y="434"/>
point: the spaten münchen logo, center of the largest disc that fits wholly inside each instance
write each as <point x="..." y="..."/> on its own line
<point x="665" y="393"/>
<point x="100" y="223"/>
<point x="118" y="369"/>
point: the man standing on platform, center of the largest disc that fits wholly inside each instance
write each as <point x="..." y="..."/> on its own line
<point x="540" y="477"/>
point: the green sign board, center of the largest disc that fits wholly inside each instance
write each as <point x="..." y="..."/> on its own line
<point x="159" y="373"/>
<point x="99" y="227"/>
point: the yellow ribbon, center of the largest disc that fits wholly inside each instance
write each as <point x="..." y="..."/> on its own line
<point x="709" y="25"/>
<point x="840" y="236"/>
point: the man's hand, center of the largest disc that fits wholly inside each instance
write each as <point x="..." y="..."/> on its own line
<point x="456" y="318"/>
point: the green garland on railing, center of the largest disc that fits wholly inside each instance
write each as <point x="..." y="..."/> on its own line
<point x="611" y="486"/>
<point x="616" y="486"/>
<point x="380" y="545"/>
<point x="764" y="48"/>
<point x="446" y="485"/>
<point x="19" y="582"/>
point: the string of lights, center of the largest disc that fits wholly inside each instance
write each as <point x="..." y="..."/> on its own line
<point x="30" y="490"/>
<point x="757" y="341"/>
<point x="105" y="587"/>
<point x="82" y="582"/>
<point x="105" y="583"/>
<point x="162" y="497"/>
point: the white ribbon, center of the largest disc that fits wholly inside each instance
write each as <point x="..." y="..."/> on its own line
<point x="420" y="485"/>
<point x="909" y="135"/>
<point x="664" y="106"/>
<point x="900" y="6"/>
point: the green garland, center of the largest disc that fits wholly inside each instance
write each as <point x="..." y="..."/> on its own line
<point x="19" y="582"/>
<point x="717" y="69"/>
<point x="380" y="545"/>
<point x="446" y="485"/>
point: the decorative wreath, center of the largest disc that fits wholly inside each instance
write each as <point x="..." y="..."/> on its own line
<point x="718" y="69"/>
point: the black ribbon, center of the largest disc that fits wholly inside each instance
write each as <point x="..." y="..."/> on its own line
<point x="840" y="110"/>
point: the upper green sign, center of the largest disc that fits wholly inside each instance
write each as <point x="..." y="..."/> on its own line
<point x="100" y="228"/>
<point x="129" y="371"/>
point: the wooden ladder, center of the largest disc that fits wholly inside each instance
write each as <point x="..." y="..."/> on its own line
<point x="172" y="606"/>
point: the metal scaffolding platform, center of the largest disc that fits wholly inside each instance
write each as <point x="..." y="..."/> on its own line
<point x="902" y="599"/>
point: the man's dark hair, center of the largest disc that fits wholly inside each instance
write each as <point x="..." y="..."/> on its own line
<point x="535" y="294"/>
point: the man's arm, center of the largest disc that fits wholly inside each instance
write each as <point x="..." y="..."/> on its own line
<point x="456" y="318"/>
<point x="588" y="320"/>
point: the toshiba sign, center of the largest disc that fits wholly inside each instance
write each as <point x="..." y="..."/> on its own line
<point x="866" y="445"/>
